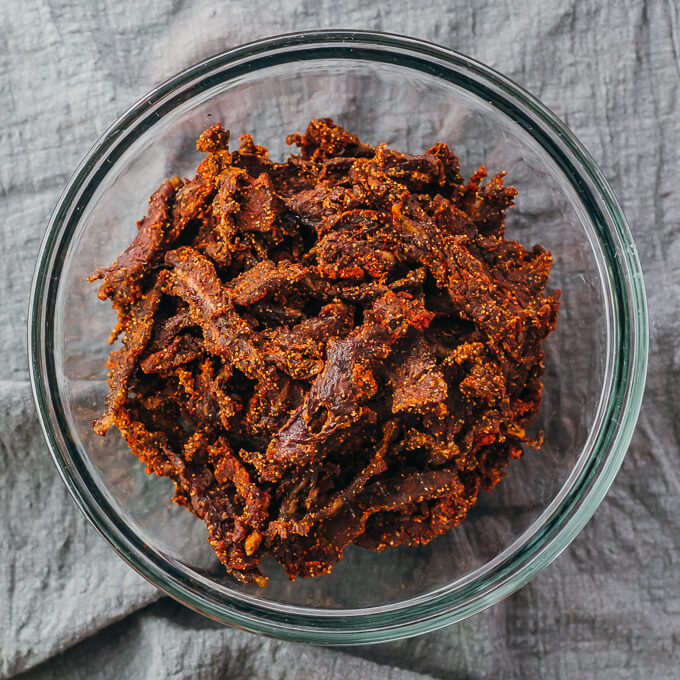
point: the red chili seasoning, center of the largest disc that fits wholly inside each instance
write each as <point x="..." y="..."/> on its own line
<point x="341" y="348"/>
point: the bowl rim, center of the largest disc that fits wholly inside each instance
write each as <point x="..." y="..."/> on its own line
<point x="628" y="313"/>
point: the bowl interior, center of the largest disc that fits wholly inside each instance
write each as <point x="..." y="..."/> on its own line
<point x="410" y="110"/>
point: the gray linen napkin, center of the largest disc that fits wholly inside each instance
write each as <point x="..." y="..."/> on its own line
<point x="609" y="607"/>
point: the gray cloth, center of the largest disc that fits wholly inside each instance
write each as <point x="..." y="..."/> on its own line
<point x="609" y="607"/>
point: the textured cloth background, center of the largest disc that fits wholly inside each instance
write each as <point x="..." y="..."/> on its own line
<point x="609" y="607"/>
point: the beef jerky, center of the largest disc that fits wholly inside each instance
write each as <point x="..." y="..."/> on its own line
<point x="341" y="348"/>
<point x="418" y="382"/>
<point x="123" y="362"/>
<point x="336" y="397"/>
<point x="123" y="279"/>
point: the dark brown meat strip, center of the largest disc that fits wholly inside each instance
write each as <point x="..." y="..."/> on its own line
<point x="488" y="210"/>
<point x="260" y="208"/>
<point x="376" y="465"/>
<point x="123" y="362"/>
<point x="227" y="530"/>
<point x="265" y="279"/>
<point x="418" y="383"/>
<point x="475" y="295"/>
<point x="123" y="279"/>
<point x="368" y="292"/>
<point x="182" y="349"/>
<point x="229" y="469"/>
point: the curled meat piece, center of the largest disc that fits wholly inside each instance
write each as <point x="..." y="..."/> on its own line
<point x="167" y="329"/>
<point x="205" y="396"/>
<point x="484" y="379"/>
<point x="324" y="139"/>
<point x="232" y="534"/>
<point x="418" y="382"/>
<point x="415" y="524"/>
<point x="123" y="279"/>
<point x="218" y="236"/>
<point x="229" y="469"/>
<point x="376" y="465"/>
<point x="488" y="210"/>
<point x="265" y="279"/>
<point x="271" y="403"/>
<point x="182" y="349"/>
<point x="417" y="173"/>
<point x="453" y="185"/>
<point x="457" y="267"/>
<point x="319" y="550"/>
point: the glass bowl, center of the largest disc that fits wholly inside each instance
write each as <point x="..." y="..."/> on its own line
<point x="409" y="94"/>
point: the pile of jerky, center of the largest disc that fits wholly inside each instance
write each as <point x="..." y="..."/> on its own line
<point x="341" y="348"/>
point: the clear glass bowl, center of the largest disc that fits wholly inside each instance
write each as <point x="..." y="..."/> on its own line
<point x="409" y="94"/>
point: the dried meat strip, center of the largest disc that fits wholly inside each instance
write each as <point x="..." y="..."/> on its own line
<point x="123" y="362"/>
<point x="123" y="279"/>
<point x="182" y="349"/>
<point x="333" y="505"/>
<point x="318" y="551"/>
<point x="468" y="279"/>
<point x="193" y="278"/>
<point x="299" y="351"/>
<point x="324" y="139"/>
<point x="418" y="383"/>
<point x="265" y="279"/>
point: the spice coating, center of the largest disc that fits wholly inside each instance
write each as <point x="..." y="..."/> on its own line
<point x="340" y="348"/>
